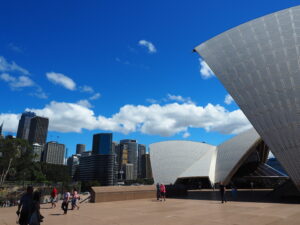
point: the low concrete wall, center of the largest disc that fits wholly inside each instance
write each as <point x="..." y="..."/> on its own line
<point x="119" y="193"/>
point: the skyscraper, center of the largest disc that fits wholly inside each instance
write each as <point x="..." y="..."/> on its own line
<point x="146" y="170"/>
<point x="54" y="153"/>
<point x="38" y="130"/>
<point x="80" y="148"/>
<point x="102" y="143"/>
<point x="102" y="168"/>
<point x="24" y="125"/>
<point x="141" y="152"/>
<point x="131" y="146"/>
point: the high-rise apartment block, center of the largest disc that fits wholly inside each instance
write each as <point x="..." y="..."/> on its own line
<point x="102" y="143"/>
<point x="80" y="148"/>
<point x="24" y="125"/>
<point x="38" y="130"/>
<point x="54" y="153"/>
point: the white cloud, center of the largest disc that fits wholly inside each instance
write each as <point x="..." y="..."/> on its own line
<point x="87" y="89"/>
<point x="7" y="78"/>
<point x="10" y="120"/>
<point x="5" y="66"/>
<point x="152" y="100"/>
<point x="61" y="79"/>
<point x="39" y="92"/>
<point x="17" y="82"/>
<point x="95" y="96"/>
<point x="186" y="134"/>
<point x="163" y="120"/>
<point x="179" y="98"/>
<point x="228" y="99"/>
<point x="205" y="71"/>
<point x="85" y="103"/>
<point x="150" y="46"/>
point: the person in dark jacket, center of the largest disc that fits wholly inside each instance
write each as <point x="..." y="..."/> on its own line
<point x="157" y="191"/>
<point x="25" y="207"/>
<point x="223" y="192"/>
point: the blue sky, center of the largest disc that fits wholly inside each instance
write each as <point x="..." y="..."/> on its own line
<point x="125" y="67"/>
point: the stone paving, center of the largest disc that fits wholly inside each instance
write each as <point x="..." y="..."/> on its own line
<point x="171" y="212"/>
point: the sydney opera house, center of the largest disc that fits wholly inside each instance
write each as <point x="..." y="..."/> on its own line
<point x="259" y="64"/>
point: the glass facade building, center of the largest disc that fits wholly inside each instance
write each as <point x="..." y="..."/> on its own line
<point x="102" y="143"/>
<point x="24" y="125"/>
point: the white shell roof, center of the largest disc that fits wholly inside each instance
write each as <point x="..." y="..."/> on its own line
<point x="171" y="160"/>
<point x="258" y="63"/>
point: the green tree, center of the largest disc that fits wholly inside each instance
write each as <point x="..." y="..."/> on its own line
<point x="15" y="155"/>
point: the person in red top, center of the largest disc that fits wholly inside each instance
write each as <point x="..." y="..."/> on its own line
<point x="54" y="197"/>
<point x="163" y="192"/>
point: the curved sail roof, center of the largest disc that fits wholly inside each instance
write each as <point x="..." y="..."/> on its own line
<point x="259" y="64"/>
<point x="171" y="160"/>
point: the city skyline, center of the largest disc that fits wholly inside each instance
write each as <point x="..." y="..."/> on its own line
<point x="129" y="70"/>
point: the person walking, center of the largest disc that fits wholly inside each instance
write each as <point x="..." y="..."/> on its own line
<point x="163" y="191"/>
<point x="65" y="203"/>
<point x="54" y="193"/>
<point x="25" y="207"/>
<point x="75" y="198"/>
<point x="36" y="217"/>
<point x="157" y="191"/>
<point x="223" y="192"/>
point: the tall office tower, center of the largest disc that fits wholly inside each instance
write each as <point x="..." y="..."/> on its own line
<point x="37" y="150"/>
<point x="102" y="143"/>
<point x="98" y="167"/>
<point x="141" y="151"/>
<point x="146" y="167"/>
<point x="73" y="166"/>
<point x="128" y="171"/>
<point x="131" y="145"/>
<point x="117" y="152"/>
<point x="24" y="125"/>
<point x="113" y="147"/>
<point x="80" y="148"/>
<point x="54" y="153"/>
<point x="38" y="130"/>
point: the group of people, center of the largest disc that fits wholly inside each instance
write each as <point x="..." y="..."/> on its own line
<point x="29" y="205"/>
<point x="67" y="198"/>
<point x="160" y="192"/>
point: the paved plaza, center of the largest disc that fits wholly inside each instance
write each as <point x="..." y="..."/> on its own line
<point x="171" y="212"/>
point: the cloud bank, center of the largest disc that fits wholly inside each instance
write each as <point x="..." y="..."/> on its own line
<point x="163" y="120"/>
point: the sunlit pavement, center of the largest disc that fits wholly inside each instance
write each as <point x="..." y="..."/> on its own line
<point x="171" y="212"/>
